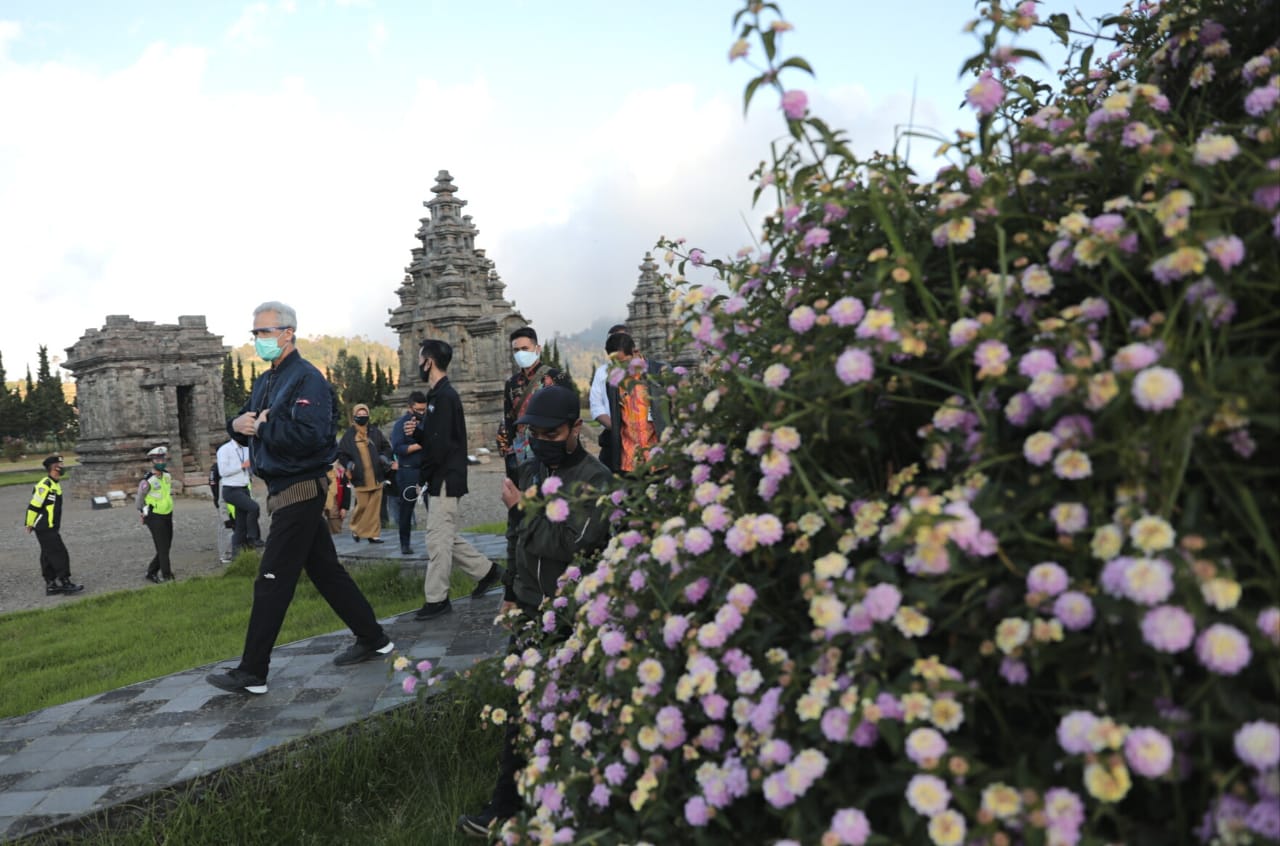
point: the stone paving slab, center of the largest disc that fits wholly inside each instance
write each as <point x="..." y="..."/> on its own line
<point x="78" y="758"/>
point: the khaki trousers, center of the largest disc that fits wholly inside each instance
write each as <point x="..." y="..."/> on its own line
<point x="444" y="548"/>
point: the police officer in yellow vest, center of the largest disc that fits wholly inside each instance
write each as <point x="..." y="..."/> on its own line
<point x="44" y="517"/>
<point x="155" y="504"/>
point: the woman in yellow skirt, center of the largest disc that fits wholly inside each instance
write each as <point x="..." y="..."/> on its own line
<point x="367" y="455"/>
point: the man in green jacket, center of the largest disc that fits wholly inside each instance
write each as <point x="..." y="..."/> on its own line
<point x="44" y="517"/>
<point x="544" y="548"/>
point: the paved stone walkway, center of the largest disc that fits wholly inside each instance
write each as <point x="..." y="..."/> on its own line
<point x="75" y="759"/>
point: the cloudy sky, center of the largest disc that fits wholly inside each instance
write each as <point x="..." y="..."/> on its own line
<point x="160" y="159"/>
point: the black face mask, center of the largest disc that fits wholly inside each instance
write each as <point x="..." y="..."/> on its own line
<point x="550" y="453"/>
<point x="424" y="371"/>
<point x="361" y="419"/>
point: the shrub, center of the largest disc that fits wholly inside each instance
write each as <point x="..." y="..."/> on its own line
<point x="964" y="535"/>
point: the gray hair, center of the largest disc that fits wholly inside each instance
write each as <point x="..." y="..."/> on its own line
<point x="286" y="315"/>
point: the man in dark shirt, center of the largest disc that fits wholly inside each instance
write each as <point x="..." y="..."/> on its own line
<point x="443" y="438"/>
<point x="288" y="424"/>
<point x="408" y="456"/>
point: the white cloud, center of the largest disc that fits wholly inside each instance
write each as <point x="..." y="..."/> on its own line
<point x="247" y="29"/>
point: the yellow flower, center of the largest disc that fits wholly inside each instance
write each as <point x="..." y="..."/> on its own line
<point x="1106" y="542"/>
<point x="1151" y="534"/>
<point x="1107" y="784"/>
<point x="947" y="828"/>
<point x="401" y="664"/>
<point x="1001" y="801"/>
<point x="947" y="714"/>
<point x="960" y="231"/>
<point x="826" y="611"/>
<point x="650" y="671"/>
<point x="810" y="706"/>
<point x="1047" y="631"/>
<point x="1103" y="388"/>
<point x="831" y="565"/>
<point x="915" y="706"/>
<point x="911" y="622"/>
<point x="1011" y="633"/>
<point x="1222" y="593"/>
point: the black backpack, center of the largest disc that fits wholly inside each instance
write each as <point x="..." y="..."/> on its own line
<point x="215" y="481"/>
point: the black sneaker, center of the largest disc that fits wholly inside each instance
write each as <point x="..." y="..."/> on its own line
<point x="52" y="589"/>
<point x="154" y="578"/>
<point x="431" y="610"/>
<point x="237" y="680"/>
<point x="405" y="549"/>
<point x="375" y="540"/>
<point x="487" y="581"/>
<point x="65" y="585"/>
<point x="483" y="825"/>
<point x="358" y="652"/>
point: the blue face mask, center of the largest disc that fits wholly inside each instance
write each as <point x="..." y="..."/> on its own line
<point x="268" y="349"/>
<point x="525" y="358"/>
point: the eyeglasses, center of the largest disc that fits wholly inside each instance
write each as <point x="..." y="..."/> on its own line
<point x="267" y="330"/>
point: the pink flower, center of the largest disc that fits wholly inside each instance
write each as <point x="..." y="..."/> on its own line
<point x="698" y="540"/>
<point x="1223" y="649"/>
<point x="1147" y="581"/>
<point x="1038" y="448"/>
<point x="846" y="311"/>
<point x="410" y="684"/>
<point x="1036" y="362"/>
<point x="696" y="812"/>
<point x="801" y="319"/>
<point x="1227" y="250"/>
<point x="1074" y="732"/>
<point x="991" y="358"/>
<point x="1268" y="623"/>
<point x="550" y="485"/>
<point x="882" y="601"/>
<point x="986" y="94"/>
<point x="1157" y="389"/>
<point x="1074" y="610"/>
<point x="1148" y="752"/>
<point x="925" y="745"/>
<point x="1048" y="578"/>
<point x="816" y="237"/>
<point x="927" y="794"/>
<point x="1168" y="628"/>
<point x="850" y="827"/>
<point x="794" y="104"/>
<point x="557" y="510"/>
<point x="835" y="725"/>
<point x="854" y="366"/>
<point x="1133" y="357"/>
<point x="776" y="375"/>
<point x="1258" y="744"/>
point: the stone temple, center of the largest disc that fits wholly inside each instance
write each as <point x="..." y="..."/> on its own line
<point x="451" y="291"/>
<point x="649" y="314"/>
<point x="141" y="385"/>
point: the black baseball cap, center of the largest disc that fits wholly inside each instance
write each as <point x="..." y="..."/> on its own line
<point x="551" y="407"/>
<point x="51" y="460"/>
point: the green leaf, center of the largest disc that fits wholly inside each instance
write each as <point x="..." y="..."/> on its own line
<point x="770" y="50"/>
<point x="1061" y="25"/>
<point x="797" y="62"/>
<point x="750" y="92"/>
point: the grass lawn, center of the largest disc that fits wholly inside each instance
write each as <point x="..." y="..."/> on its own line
<point x="62" y="654"/>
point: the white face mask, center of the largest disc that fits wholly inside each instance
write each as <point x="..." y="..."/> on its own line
<point x="525" y="358"/>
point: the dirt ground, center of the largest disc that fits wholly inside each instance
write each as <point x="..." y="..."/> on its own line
<point x="110" y="548"/>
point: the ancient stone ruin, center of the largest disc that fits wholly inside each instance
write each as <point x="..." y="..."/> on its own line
<point x="451" y="291"/>
<point x="649" y="314"/>
<point x="139" y="385"/>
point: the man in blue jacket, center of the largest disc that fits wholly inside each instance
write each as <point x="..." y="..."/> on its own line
<point x="288" y="424"/>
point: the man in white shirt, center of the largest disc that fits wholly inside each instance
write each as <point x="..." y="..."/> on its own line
<point x="599" y="401"/>
<point x="233" y="467"/>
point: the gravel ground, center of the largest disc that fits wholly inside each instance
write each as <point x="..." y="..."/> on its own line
<point x="110" y="548"/>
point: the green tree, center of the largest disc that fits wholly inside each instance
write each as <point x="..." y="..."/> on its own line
<point x="10" y="407"/>
<point x="48" y="414"/>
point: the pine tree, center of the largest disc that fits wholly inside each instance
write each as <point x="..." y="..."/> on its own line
<point x="10" y="407"/>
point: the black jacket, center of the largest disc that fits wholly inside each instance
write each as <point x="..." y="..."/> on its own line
<point x="297" y="441"/>
<point x="543" y="549"/>
<point x="379" y="456"/>
<point x="443" y="436"/>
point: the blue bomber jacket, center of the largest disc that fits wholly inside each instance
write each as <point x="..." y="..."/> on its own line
<point x="298" y="440"/>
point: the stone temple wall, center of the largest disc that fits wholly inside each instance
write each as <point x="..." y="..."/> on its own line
<point x="451" y="291"/>
<point x="139" y="385"/>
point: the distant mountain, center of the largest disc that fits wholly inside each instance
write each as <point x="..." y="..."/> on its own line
<point x="322" y="351"/>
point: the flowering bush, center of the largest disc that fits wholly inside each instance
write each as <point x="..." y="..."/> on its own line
<point x="964" y="532"/>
